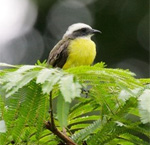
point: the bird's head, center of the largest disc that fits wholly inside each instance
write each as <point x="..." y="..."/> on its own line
<point x="80" y="30"/>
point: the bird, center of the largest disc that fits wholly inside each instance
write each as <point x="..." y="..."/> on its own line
<point x="75" y="48"/>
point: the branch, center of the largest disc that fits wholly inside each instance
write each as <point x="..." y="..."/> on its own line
<point x="62" y="136"/>
<point x="51" y="126"/>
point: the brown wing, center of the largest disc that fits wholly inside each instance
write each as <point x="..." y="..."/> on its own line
<point x="59" y="54"/>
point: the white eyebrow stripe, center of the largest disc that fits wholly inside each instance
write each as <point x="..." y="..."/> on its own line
<point x="75" y="27"/>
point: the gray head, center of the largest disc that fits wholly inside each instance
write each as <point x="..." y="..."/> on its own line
<point x="80" y="30"/>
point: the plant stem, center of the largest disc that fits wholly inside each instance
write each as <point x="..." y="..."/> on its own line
<point x="51" y="111"/>
<point x="51" y="126"/>
<point x="62" y="136"/>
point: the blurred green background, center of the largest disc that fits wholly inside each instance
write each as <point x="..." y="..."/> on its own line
<point x="124" y="42"/>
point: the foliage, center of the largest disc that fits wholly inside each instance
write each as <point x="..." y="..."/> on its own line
<point x="91" y="104"/>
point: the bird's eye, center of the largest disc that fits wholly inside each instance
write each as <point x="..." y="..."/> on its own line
<point x="83" y="29"/>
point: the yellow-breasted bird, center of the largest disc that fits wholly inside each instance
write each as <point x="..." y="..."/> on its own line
<point x="75" y="49"/>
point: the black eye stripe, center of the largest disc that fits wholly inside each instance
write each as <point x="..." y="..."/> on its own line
<point x="82" y="30"/>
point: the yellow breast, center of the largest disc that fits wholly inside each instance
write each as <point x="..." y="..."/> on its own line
<point x="82" y="51"/>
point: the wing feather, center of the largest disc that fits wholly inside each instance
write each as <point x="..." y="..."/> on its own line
<point x="59" y="54"/>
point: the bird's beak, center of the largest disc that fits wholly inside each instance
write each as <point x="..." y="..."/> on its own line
<point x="96" y="31"/>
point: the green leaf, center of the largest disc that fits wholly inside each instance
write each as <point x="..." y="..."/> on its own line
<point x="62" y="111"/>
<point x="82" y="134"/>
<point x="26" y="110"/>
<point x="48" y="78"/>
<point x="44" y="63"/>
<point x="144" y="108"/>
<point x="48" y="85"/>
<point x="25" y="68"/>
<point x="133" y="138"/>
<point x="46" y="75"/>
<point x="41" y="114"/>
<point x="14" y="87"/>
<point x="83" y="119"/>
<point x="2" y="126"/>
<point x="2" y="107"/>
<point x="79" y="126"/>
<point x="69" y="88"/>
<point x="81" y="109"/>
<point x="7" y="65"/>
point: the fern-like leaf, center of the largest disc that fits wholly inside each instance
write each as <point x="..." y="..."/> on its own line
<point x="82" y="134"/>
